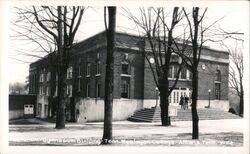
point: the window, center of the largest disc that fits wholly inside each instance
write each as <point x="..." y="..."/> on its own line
<point x="88" y="90"/>
<point x="173" y="72"/>
<point x="69" y="90"/>
<point x="97" y="55"/>
<point x="56" y="91"/>
<point x="56" y="77"/>
<point x="41" y="90"/>
<point x="69" y="72"/>
<point x="218" y="75"/>
<point x="98" y="67"/>
<point x="48" y="77"/>
<point x="125" y="68"/>
<point x="98" y="90"/>
<point x="217" y="91"/>
<point x="88" y="69"/>
<point x="176" y="69"/>
<point x="47" y="91"/>
<point x="183" y="74"/>
<point x="170" y="72"/>
<point x="79" y="79"/>
<point x="41" y="78"/>
<point x="125" y="88"/>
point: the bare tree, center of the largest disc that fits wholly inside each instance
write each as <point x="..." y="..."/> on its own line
<point x="196" y="29"/>
<point x="236" y="70"/>
<point x="159" y="35"/>
<point x="53" y="30"/>
<point x="17" y="88"/>
<point x="109" y="79"/>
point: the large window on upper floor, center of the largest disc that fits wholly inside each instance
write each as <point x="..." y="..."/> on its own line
<point x="88" y="69"/>
<point x="218" y="75"/>
<point x="98" y="63"/>
<point x="69" y="90"/>
<point x="69" y="72"/>
<point x="173" y="72"/>
<point x="41" y="77"/>
<point x="125" y="68"/>
<point x="48" y="76"/>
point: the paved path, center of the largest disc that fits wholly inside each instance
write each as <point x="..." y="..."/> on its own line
<point x="227" y="132"/>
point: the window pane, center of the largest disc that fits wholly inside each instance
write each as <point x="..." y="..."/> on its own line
<point x="125" y="69"/>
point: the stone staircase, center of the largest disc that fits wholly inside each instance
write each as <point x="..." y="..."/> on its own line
<point x="153" y="115"/>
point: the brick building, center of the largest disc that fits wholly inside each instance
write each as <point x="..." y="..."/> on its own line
<point x="134" y="87"/>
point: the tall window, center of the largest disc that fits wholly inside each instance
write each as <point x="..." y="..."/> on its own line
<point x="41" y="78"/>
<point x="218" y="75"/>
<point x="69" y="72"/>
<point x="56" y="91"/>
<point x="170" y="71"/>
<point x="217" y="91"/>
<point x="173" y="72"/>
<point x="88" y="69"/>
<point x="48" y="77"/>
<point x="47" y="91"/>
<point x="125" y="88"/>
<point x="98" y="67"/>
<point x="41" y="90"/>
<point x="98" y="90"/>
<point x="125" y="68"/>
<point x="79" y="79"/>
<point x="176" y="69"/>
<point x="183" y="74"/>
<point x="69" y="90"/>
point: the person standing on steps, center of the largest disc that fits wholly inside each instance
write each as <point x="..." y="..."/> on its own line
<point x="185" y="101"/>
<point x="182" y="102"/>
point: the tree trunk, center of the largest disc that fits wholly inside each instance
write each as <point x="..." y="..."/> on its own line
<point x="62" y="72"/>
<point x="195" y="118"/>
<point x="241" y="100"/>
<point x="164" y="104"/>
<point x="60" y="114"/>
<point x="72" y="109"/>
<point x="108" y="111"/>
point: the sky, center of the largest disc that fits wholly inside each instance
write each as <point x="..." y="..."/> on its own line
<point x="235" y="19"/>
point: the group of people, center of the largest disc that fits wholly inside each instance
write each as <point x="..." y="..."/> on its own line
<point x="184" y="102"/>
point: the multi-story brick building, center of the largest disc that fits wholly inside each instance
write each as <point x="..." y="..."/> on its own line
<point x="134" y="87"/>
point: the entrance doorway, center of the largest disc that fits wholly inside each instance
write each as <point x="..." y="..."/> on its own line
<point x="174" y="98"/>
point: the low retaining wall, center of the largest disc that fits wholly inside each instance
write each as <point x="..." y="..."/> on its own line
<point x="218" y="104"/>
<point x="16" y="114"/>
<point x="93" y="110"/>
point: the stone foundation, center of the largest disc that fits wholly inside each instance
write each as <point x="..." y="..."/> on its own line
<point x="93" y="109"/>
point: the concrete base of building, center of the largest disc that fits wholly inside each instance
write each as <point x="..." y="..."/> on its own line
<point x="91" y="109"/>
<point x="16" y="114"/>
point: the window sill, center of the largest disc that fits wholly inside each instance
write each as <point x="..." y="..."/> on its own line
<point x="217" y="81"/>
<point x="126" y="75"/>
<point x="87" y="76"/>
<point x="180" y="79"/>
<point x="98" y="75"/>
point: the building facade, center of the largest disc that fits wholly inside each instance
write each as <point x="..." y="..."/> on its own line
<point x="134" y="87"/>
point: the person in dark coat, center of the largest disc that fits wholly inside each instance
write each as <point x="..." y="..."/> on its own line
<point x="182" y="102"/>
<point x="186" y="102"/>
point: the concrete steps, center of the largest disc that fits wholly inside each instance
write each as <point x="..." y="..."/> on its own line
<point x="154" y="115"/>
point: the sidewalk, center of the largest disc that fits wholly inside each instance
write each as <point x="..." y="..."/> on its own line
<point x="227" y="132"/>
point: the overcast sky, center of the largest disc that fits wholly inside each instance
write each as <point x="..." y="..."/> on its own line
<point x="236" y="19"/>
